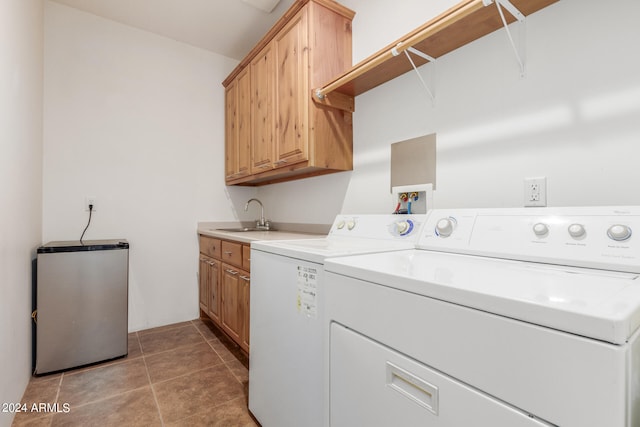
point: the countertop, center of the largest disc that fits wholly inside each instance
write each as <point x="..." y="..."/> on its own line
<point x="280" y="233"/>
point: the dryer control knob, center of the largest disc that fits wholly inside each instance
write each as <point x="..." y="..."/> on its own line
<point x="576" y="230"/>
<point x="445" y="226"/>
<point x="619" y="232"/>
<point x="340" y="225"/>
<point x="540" y="229"/>
<point x="351" y="224"/>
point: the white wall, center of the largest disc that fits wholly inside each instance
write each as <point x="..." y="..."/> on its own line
<point x="20" y="187"/>
<point x="136" y="120"/>
<point x="573" y="118"/>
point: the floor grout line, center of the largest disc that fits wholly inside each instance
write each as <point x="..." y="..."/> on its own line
<point x="222" y="364"/>
<point x="153" y="391"/>
<point x="232" y="373"/>
<point x="188" y="373"/>
<point x="172" y="348"/>
<point x="107" y="397"/>
<point x="161" y="329"/>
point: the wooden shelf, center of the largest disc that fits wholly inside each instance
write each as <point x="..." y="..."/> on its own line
<point x="467" y="21"/>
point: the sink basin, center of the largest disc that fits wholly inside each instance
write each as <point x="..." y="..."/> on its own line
<point x="242" y="229"/>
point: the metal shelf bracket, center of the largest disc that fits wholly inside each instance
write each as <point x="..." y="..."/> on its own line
<point x="423" y="55"/>
<point x="519" y="51"/>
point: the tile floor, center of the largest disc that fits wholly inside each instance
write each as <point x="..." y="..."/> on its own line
<point x="187" y="374"/>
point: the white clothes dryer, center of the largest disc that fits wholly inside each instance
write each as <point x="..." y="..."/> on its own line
<point x="500" y="317"/>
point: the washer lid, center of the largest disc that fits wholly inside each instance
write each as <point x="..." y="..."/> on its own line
<point x="352" y="234"/>
<point x="317" y="250"/>
<point x="599" y="304"/>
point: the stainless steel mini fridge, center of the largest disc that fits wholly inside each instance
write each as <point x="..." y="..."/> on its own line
<point x="81" y="303"/>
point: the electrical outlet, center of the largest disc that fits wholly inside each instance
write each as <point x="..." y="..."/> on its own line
<point x="90" y="200"/>
<point x="535" y="191"/>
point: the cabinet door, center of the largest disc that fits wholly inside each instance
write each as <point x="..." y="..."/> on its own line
<point x="244" y="122"/>
<point x="292" y="91"/>
<point x="214" y="290"/>
<point x="238" y="126"/>
<point x="204" y="284"/>
<point x="230" y="298"/>
<point x="246" y="257"/>
<point x="262" y="111"/>
<point x="245" y="282"/>
<point x="230" y="130"/>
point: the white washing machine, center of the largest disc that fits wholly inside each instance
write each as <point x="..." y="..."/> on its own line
<point x="500" y="317"/>
<point x="287" y="313"/>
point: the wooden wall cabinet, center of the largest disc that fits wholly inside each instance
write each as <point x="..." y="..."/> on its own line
<point x="291" y="136"/>
<point x="238" y="127"/>
<point x="224" y="286"/>
<point x="262" y="111"/>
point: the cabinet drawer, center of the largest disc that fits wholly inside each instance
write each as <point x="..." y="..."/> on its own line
<point x="246" y="257"/>
<point x="232" y="253"/>
<point x="210" y="246"/>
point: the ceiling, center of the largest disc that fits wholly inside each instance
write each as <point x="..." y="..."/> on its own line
<point x="227" y="27"/>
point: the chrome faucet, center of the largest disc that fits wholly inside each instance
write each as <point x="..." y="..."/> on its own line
<point x="261" y="223"/>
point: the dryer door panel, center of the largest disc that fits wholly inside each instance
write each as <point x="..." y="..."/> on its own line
<point x="373" y="385"/>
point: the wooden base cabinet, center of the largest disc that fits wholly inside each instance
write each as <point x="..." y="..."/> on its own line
<point x="224" y="286"/>
<point x="204" y="285"/>
<point x="210" y="287"/>
<point x="235" y="303"/>
<point x="291" y="136"/>
<point x="245" y="285"/>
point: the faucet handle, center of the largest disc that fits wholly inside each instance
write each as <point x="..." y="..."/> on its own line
<point x="263" y="226"/>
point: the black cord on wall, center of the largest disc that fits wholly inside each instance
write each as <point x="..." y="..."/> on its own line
<point x="89" y="222"/>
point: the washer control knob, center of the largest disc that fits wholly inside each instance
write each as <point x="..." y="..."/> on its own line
<point x="540" y="229"/>
<point x="619" y="232"/>
<point x="402" y="226"/>
<point x="576" y="230"/>
<point x="340" y="225"/>
<point x="351" y="224"/>
<point x="445" y="226"/>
